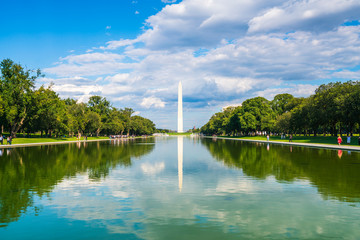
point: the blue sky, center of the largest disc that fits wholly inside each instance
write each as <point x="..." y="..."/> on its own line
<point x="37" y="33"/>
<point x="134" y="53"/>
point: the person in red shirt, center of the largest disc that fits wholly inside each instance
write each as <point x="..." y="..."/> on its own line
<point x="339" y="140"/>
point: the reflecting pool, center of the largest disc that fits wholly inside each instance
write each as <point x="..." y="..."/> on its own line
<point x="178" y="188"/>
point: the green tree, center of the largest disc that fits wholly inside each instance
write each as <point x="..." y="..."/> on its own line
<point x="233" y="123"/>
<point x="16" y="91"/>
<point x="77" y="118"/>
<point x="283" y="123"/>
<point x="49" y="115"/>
<point x="259" y="107"/>
<point x="348" y="105"/>
<point x="102" y="108"/>
<point x="1" y="114"/>
<point x="325" y="105"/>
<point x="142" y="126"/>
<point x="334" y="108"/>
<point x="281" y="103"/>
<point x="93" y="123"/>
<point x="125" y="116"/>
<point x="247" y="122"/>
<point x="114" y="124"/>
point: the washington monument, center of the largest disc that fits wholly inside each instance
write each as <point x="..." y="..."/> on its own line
<point x="180" y="110"/>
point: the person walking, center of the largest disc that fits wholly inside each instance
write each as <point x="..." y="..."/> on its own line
<point x="348" y="139"/>
<point x="1" y="139"/>
<point x="339" y="140"/>
<point x="267" y="137"/>
<point x="290" y="138"/>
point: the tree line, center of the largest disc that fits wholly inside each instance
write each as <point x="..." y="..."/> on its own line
<point x="333" y="109"/>
<point x="23" y="108"/>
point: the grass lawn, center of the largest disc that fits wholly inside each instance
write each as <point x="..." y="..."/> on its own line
<point x="177" y="134"/>
<point x="41" y="140"/>
<point x="306" y="139"/>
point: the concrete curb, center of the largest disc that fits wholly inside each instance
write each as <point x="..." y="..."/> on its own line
<point x="48" y="143"/>
<point x="313" y="145"/>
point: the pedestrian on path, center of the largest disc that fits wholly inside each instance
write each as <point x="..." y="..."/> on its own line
<point x="290" y="138"/>
<point x="339" y="140"/>
<point x="348" y="139"/>
<point x="1" y="139"/>
<point x="267" y="137"/>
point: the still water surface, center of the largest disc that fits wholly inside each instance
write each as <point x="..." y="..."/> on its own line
<point x="179" y="188"/>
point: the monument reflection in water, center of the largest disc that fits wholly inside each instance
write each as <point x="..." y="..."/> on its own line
<point x="180" y="160"/>
<point x="207" y="189"/>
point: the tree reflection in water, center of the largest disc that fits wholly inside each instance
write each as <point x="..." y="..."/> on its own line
<point x="25" y="172"/>
<point x="335" y="174"/>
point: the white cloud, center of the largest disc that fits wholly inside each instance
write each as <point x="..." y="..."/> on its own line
<point x="118" y="78"/>
<point x="137" y="12"/>
<point x="90" y="69"/>
<point x="152" y="101"/>
<point x="152" y="169"/>
<point x="108" y="27"/>
<point x="251" y="63"/>
<point x="169" y="1"/>
<point x="113" y="89"/>
<point x="297" y="90"/>
<point x="223" y="51"/>
<point x="61" y="81"/>
<point x="347" y="74"/>
<point x="89" y="64"/>
<point x="125" y="98"/>
<point x="317" y="15"/>
<point x="238" y="85"/>
<point x="199" y="23"/>
<point x="79" y="92"/>
<point x="75" y="89"/>
<point x="227" y="186"/>
<point x="92" y="57"/>
<point x="120" y="43"/>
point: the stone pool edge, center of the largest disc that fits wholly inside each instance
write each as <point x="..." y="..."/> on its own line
<point x="313" y="145"/>
<point x="62" y="142"/>
<point x="48" y="143"/>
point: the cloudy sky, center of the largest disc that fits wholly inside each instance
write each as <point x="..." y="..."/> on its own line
<point x="134" y="52"/>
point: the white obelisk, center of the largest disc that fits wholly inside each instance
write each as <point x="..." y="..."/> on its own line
<point x="180" y="110"/>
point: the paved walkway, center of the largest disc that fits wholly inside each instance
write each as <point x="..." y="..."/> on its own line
<point x="48" y="143"/>
<point x="314" y="145"/>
